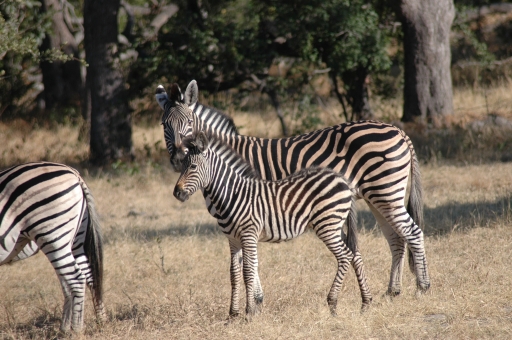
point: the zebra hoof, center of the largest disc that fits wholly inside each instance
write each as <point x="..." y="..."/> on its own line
<point x="365" y="306"/>
<point x="258" y="300"/>
<point x="423" y="287"/>
<point x="332" y="306"/>
<point x="393" y="292"/>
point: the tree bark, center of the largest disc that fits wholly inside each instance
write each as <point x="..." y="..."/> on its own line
<point x="111" y="132"/>
<point x="356" y="84"/>
<point x="426" y="26"/>
<point x="63" y="84"/>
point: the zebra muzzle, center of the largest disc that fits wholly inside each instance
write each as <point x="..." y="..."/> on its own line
<point x="181" y="194"/>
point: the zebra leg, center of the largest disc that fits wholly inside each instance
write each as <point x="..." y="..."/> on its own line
<point x="24" y="248"/>
<point x="236" y="277"/>
<point x="397" y="246"/>
<point x="357" y="264"/>
<point x="258" y="291"/>
<point x="250" y="255"/>
<point x="334" y="242"/>
<point x="409" y="231"/>
<point x="67" y="311"/>
<point x="13" y="251"/>
<point x="70" y="276"/>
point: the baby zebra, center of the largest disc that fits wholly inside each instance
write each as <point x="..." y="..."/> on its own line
<point x="48" y="206"/>
<point x="251" y="210"/>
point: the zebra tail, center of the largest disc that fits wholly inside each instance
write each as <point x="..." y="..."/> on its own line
<point x="415" y="203"/>
<point x="93" y="247"/>
<point x="351" y="240"/>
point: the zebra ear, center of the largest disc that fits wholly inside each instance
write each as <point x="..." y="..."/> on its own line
<point x="191" y="93"/>
<point x="161" y="96"/>
<point x="176" y="93"/>
<point x="202" y="142"/>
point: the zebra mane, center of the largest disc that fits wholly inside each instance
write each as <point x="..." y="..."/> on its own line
<point x="200" y="108"/>
<point x="225" y="152"/>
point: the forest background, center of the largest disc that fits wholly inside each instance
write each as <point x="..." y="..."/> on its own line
<point x="309" y="63"/>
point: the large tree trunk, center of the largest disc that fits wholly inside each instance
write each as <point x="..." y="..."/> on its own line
<point x="62" y="81"/>
<point x="356" y="84"/>
<point x="111" y="132"/>
<point x="428" y="84"/>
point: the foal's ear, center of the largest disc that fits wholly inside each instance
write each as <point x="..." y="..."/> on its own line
<point x="202" y="142"/>
<point x="191" y="93"/>
<point x="176" y="93"/>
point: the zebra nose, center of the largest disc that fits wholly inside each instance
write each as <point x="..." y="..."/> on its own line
<point x="180" y="193"/>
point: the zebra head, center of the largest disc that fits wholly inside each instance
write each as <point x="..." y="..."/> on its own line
<point x="195" y="167"/>
<point x="178" y="119"/>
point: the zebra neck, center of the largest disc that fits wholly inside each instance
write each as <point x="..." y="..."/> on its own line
<point x="226" y="187"/>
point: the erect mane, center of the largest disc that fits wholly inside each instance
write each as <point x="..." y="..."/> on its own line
<point x="225" y="152"/>
<point x="200" y="108"/>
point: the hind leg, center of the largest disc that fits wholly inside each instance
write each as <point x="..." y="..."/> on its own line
<point x="408" y="230"/>
<point x="397" y="246"/>
<point x="357" y="264"/>
<point x="330" y="233"/>
<point x="57" y="247"/>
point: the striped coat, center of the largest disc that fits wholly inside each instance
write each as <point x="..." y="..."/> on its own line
<point x="251" y="210"/>
<point x="377" y="159"/>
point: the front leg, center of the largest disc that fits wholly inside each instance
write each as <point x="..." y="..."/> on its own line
<point x="235" y="275"/>
<point x="250" y="259"/>
<point x="258" y="290"/>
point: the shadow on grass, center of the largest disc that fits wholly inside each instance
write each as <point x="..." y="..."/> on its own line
<point x="456" y="216"/>
<point x="438" y="221"/>
<point x="44" y="326"/>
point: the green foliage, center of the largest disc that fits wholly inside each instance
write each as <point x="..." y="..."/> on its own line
<point x="216" y="44"/>
<point x="345" y="35"/>
<point x="22" y="29"/>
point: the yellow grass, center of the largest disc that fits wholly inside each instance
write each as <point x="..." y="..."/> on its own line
<point x="167" y="267"/>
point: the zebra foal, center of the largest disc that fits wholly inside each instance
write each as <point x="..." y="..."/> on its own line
<point x="48" y="206"/>
<point x="377" y="159"/>
<point x="251" y="210"/>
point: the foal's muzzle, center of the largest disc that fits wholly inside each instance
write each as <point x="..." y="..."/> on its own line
<point x="181" y="194"/>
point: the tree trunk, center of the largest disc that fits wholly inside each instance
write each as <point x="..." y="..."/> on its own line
<point x="356" y="84"/>
<point x="62" y="81"/>
<point x="111" y="132"/>
<point x="428" y="84"/>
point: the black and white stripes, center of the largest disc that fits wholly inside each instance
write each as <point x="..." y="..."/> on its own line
<point x="251" y="210"/>
<point x="48" y="206"/>
<point x="377" y="159"/>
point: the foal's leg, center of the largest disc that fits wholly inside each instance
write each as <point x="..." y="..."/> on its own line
<point x="236" y="276"/>
<point x="366" y="295"/>
<point x="329" y="231"/>
<point x="250" y="256"/>
<point x="258" y="291"/>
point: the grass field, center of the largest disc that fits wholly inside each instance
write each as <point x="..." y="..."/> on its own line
<point x="167" y="266"/>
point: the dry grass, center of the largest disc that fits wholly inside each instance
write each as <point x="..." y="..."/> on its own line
<point x="167" y="267"/>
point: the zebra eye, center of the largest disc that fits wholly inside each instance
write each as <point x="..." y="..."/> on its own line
<point x="193" y="166"/>
<point x="189" y="121"/>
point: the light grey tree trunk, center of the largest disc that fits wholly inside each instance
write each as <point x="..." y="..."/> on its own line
<point x="428" y="84"/>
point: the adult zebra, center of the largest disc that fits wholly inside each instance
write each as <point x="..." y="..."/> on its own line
<point x="377" y="159"/>
<point x="253" y="210"/>
<point x="48" y="206"/>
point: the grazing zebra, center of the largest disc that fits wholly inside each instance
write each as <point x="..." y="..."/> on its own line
<point x="377" y="159"/>
<point x="251" y="210"/>
<point x="48" y="206"/>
